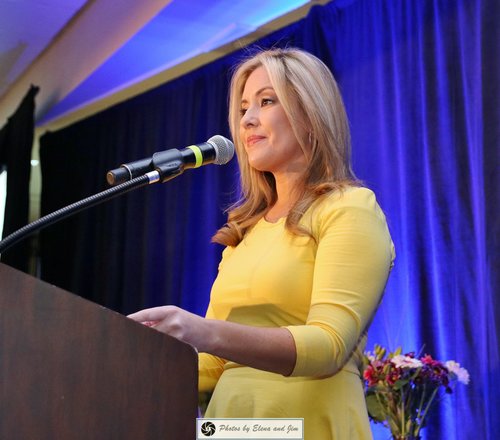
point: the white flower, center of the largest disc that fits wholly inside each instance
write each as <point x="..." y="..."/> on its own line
<point x="369" y="355"/>
<point x="461" y="373"/>
<point x="401" y="361"/>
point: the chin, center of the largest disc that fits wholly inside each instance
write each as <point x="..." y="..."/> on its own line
<point x="259" y="165"/>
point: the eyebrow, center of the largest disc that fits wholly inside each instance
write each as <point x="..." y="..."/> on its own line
<point x="259" y="92"/>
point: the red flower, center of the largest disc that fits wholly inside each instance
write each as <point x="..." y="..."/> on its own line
<point x="393" y="375"/>
<point x="369" y="376"/>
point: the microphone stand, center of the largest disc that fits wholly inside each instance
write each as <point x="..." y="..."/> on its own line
<point x="146" y="179"/>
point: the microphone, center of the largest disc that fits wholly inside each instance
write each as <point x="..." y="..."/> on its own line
<point x="170" y="163"/>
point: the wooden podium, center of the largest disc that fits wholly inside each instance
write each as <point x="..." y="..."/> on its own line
<point x="70" y="370"/>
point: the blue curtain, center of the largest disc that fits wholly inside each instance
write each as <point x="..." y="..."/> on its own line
<point x="420" y="82"/>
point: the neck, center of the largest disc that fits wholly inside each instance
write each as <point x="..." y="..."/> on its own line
<point x="288" y="191"/>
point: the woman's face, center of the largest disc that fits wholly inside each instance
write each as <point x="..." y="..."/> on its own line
<point x="265" y="130"/>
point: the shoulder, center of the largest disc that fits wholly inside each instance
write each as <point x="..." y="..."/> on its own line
<point x="350" y="197"/>
<point x="351" y="205"/>
<point x="226" y="254"/>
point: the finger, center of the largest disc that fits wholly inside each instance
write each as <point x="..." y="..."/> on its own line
<point x="154" y="314"/>
<point x="138" y="316"/>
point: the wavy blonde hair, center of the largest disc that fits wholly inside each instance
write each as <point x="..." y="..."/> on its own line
<point x="312" y="102"/>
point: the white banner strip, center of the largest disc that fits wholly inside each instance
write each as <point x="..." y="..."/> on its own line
<point x="234" y="429"/>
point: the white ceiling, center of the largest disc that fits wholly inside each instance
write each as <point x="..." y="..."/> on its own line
<point x="26" y="28"/>
<point x="86" y="55"/>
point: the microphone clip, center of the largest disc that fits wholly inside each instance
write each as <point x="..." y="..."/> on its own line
<point x="168" y="164"/>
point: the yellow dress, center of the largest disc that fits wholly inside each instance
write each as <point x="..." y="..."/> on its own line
<point x="325" y="291"/>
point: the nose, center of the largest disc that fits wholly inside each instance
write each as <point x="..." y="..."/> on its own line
<point x="250" y="118"/>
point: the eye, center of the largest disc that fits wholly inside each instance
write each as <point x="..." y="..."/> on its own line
<point x="266" y="101"/>
<point x="243" y="111"/>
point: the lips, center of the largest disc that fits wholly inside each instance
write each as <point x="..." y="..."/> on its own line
<point x="254" y="139"/>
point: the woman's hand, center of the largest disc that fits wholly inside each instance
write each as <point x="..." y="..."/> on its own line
<point x="176" y="322"/>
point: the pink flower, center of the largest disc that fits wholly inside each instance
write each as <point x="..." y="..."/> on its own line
<point x="428" y="360"/>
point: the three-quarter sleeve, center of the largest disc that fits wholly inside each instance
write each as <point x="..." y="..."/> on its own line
<point x="354" y="257"/>
<point x="210" y="370"/>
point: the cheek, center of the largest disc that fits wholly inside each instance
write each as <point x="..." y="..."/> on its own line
<point x="281" y="125"/>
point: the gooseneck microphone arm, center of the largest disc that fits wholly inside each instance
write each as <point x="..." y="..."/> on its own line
<point x="31" y="228"/>
<point x="161" y="167"/>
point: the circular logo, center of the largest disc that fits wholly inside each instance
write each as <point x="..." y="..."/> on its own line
<point x="208" y="429"/>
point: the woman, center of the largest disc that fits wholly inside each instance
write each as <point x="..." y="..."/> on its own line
<point x="307" y="257"/>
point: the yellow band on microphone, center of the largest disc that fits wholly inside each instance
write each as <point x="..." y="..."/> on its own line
<point x="197" y="154"/>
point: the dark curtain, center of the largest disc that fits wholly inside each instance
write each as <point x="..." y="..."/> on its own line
<point x="150" y="246"/>
<point x="16" y="141"/>
<point x="420" y="82"/>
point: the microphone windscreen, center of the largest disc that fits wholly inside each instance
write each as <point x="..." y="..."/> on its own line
<point x="224" y="149"/>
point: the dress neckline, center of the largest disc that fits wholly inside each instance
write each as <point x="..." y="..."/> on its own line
<point x="266" y="222"/>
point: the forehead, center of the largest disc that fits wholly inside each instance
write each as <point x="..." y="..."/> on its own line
<point x="256" y="81"/>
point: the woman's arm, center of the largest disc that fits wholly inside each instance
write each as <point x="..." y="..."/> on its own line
<point x="270" y="349"/>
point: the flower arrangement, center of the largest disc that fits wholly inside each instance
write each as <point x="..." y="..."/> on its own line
<point x="401" y="389"/>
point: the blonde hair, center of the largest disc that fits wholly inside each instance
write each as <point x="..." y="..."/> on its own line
<point x="312" y="102"/>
